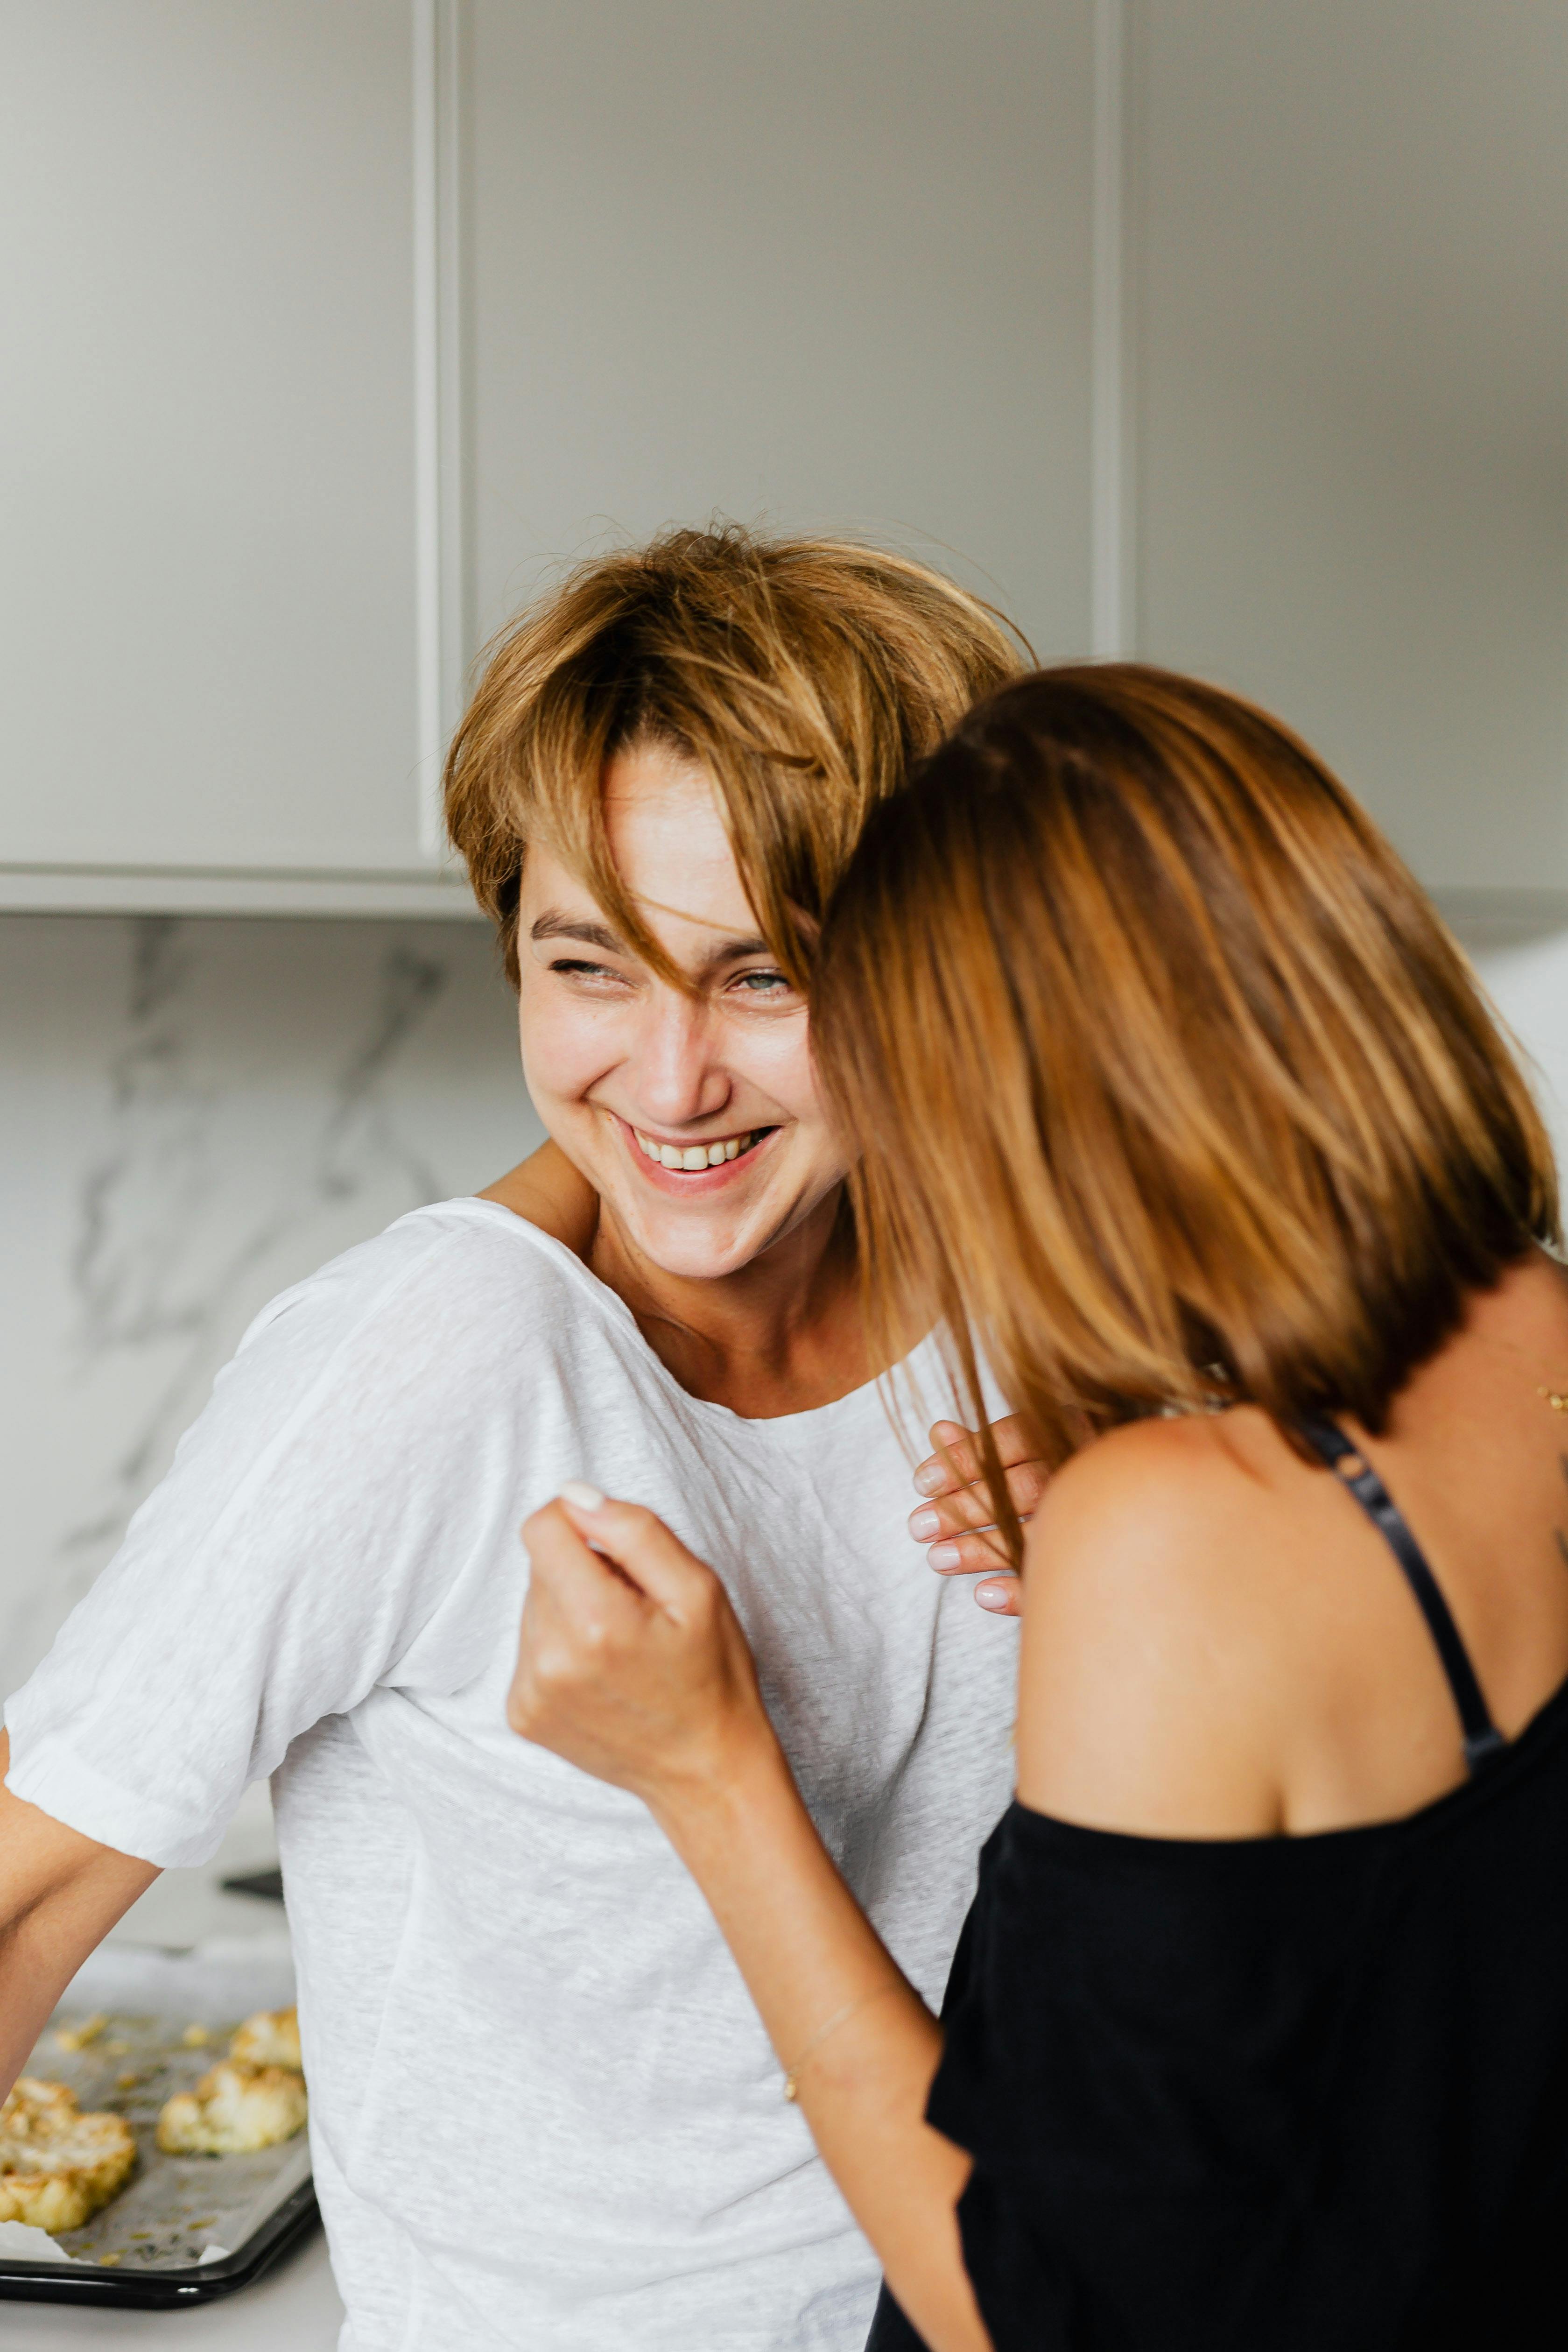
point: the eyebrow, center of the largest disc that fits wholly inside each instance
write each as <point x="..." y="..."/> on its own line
<point x="554" y="926"/>
<point x="569" y="927"/>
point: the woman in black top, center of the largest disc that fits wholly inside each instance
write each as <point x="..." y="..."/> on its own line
<point x="1306" y="2092"/>
<point x="1176" y="1099"/>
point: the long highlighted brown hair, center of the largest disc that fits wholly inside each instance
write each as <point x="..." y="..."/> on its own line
<point x="1171" y="1087"/>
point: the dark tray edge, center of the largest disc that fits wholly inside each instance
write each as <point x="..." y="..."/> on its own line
<point x="164" y="2290"/>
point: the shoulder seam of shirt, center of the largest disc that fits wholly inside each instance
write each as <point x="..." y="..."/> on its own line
<point x="564" y="1262"/>
<point x="277" y="1444"/>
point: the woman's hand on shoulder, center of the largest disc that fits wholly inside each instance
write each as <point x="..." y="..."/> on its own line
<point x="955" y="1520"/>
<point x="1154" y="1670"/>
<point x="632" y="1663"/>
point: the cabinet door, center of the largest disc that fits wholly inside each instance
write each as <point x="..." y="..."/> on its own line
<point x="206" y="649"/>
<point x="818" y="265"/>
<point x="1353" y="351"/>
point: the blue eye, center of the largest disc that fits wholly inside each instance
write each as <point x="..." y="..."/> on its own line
<point x="763" y="983"/>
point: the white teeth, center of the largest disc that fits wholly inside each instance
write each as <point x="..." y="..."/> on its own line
<point x="697" y="1155"/>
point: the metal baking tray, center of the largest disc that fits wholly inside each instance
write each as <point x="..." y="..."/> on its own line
<point x="146" y="2246"/>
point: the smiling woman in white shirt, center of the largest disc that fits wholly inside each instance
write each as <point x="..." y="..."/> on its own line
<point x="543" y="2113"/>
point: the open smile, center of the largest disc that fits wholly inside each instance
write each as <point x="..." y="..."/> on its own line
<point x="691" y="1159"/>
<point x="693" y="1164"/>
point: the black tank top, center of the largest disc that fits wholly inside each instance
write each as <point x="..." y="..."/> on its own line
<point x="1275" y="2095"/>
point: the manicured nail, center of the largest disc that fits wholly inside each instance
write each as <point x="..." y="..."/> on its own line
<point x="581" y="1495"/>
<point x="945" y="1556"/>
<point x="930" y="1479"/>
<point x="996" y="1593"/>
<point x="924" y="1525"/>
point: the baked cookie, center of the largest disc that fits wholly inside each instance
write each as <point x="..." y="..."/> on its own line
<point x="270" y="2038"/>
<point x="57" y="2166"/>
<point x="235" y="2108"/>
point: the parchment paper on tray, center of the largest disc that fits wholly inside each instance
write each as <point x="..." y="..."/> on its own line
<point x="176" y="2211"/>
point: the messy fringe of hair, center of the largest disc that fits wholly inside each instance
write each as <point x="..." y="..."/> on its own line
<point x="804" y="676"/>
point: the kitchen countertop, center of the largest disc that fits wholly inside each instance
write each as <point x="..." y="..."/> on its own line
<point x="295" y="2308"/>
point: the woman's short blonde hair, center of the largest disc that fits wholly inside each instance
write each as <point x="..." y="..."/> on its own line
<point x="1171" y="1087"/>
<point x="806" y="675"/>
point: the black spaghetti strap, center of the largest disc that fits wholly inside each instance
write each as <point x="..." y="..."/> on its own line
<point x="1483" y="1740"/>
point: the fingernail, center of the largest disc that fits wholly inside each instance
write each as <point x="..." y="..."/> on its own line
<point x="581" y="1495"/>
<point x="924" y="1525"/>
<point x="930" y="1479"/>
<point x="995" y="1594"/>
<point x="944" y="1556"/>
<point x="947" y="1428"/>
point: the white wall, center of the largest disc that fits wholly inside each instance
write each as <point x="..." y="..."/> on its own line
<point x="1528" y="984"/>
<point x="194" y="1114"/>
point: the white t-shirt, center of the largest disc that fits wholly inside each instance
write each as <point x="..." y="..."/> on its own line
<point x="543" y="2112"/>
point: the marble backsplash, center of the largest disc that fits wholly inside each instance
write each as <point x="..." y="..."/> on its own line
<point x="195" y="1113"/>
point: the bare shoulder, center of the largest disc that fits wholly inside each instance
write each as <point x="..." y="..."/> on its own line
<point x="548" y="1191"/>
<point x="1164" y="1500"/>
<point x="1153" y="1642"/>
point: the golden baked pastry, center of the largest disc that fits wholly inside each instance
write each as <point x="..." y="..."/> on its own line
<point x="57" y="2166"/>
<point x="270" y="2038"/>
<point x="233" y="2109"/>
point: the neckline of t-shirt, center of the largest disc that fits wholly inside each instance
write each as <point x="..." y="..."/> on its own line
<point x="854" y="1402"/>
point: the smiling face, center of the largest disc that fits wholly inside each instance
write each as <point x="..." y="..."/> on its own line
<point x="696" y="1118"/>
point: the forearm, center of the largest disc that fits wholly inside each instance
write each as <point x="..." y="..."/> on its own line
<point x="36" y="1963"/>
<point x="59" y="1896"/>
<point x="808" y="1956"/>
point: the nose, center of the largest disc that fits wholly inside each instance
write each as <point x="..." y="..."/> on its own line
<point x="674" y="1075"/>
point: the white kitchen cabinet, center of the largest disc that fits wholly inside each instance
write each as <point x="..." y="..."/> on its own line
<point x="817" y="265"/>
<point x="1351" y="359"/>
<point x="207" y="554"/>
<point x="824" y="263"/>
<point x="1230" y="332"/>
